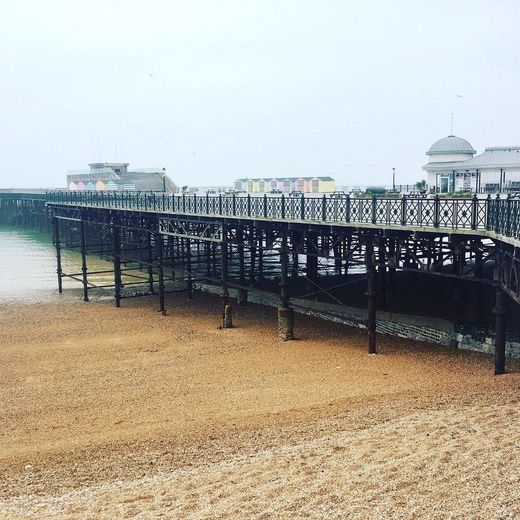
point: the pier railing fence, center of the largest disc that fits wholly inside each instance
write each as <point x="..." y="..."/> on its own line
<point x="501" y="215"/>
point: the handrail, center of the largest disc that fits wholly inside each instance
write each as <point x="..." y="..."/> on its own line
<point x="501" y="215"/>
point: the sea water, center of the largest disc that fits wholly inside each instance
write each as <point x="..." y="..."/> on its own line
<point x="28" y="266"/>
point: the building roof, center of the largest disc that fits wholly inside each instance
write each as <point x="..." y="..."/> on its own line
<point x="495" y="157"/>
<point x="445" y="166"/>
<point x="99" y="165"/>
<point x="451" y="145"/>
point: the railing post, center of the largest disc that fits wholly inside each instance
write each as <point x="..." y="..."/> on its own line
<point x="347" y="209"/>
<point x="324" y="208"/>
<point x="489" y="218"/>
<point x="207" y="204"/>
<point x="220" y="203"/>
<point x="497" y="214"/>
<point x="283" y="206"/>
<point x="265" y="205"/>
<point x="508" y="216"/>
<point x="234" y="204"/>
<point x="302" y="207"/>
<point x="474" y="210"/>
<point x="374" y="202"/>
<point x="184" y="202"/>
<point x="436" y="211"/>
<point x="194" y="209"/>
<point x="403" y="211"/>
<point x="248" y="204"/>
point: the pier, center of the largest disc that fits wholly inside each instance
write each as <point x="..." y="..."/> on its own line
<point x="291" y="247"/>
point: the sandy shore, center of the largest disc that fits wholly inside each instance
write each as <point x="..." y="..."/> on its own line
<point x="123" y="413"/>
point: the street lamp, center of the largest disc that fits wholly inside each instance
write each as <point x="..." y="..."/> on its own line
<point x="393" y="179"/>
<point x="164" y="179"/>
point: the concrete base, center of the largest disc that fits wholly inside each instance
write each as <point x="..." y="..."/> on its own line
<point x="285" y="323"/>
<point x="227" y="322"/>
<point x="241" y="297"/>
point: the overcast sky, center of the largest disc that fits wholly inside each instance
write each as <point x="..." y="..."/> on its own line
<point x="215" y="90"/>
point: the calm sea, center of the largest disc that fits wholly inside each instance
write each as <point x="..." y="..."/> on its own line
<point x="28" y="266"/>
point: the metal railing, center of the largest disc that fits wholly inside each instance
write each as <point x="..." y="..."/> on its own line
<point x="501" y="215"/>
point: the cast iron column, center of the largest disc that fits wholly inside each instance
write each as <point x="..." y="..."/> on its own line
<point x="149" y="256"/>
<point x="116" y="258"/>
<point x="59" y="272"/>
<point x="371" y="294"/>
<point x="83" y="250"/>
<point x="500" y="312"/>
<point x="227" y="316"/>
<point x="160" y="243"/>
<point x="189" y="282"/>
<point x="285" y="313"/>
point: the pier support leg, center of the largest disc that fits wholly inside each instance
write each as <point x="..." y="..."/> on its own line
<point x="381" y="274"/>
<point x="241" y="256"/>
<point x="227" y="317"/>
<point x="371" y="295"/>
<point x="173" y="252"/>
<point x="207" y="246"/>
<point x="241" y="297"/>
<point x="285" y="312"/>
<point x="295" y="243"/>
<point x="160" y="243"/>
<point x="500" y="312"/>
<point x="392" y="263"/>
<point x="116" y="258"/>
<point x="227" y="310"/>
<point x="57" y="244"/>
<point x="260" y="254"/>
<point x="83" y="250"/>
<point x="189" y="280"/>
<point x="337" y="255"/>
<point x="286" y="323"/>
<point x="311" y="263"/>
<point x="150" y="268"/>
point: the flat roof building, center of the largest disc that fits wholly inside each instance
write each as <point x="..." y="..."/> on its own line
<point x="110" y="176"/>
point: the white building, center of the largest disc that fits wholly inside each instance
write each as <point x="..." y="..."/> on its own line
<point x="454" y="167"/>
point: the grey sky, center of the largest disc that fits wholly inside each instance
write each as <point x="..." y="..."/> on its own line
<point x="215" y="90"/>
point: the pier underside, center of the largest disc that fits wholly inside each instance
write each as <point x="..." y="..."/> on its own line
<point x="155" y="252"/>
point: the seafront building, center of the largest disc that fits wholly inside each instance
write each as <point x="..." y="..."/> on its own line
<point x="107" y="176"/>
<point x="286" y="184"/>
<point x="454" y="167"/>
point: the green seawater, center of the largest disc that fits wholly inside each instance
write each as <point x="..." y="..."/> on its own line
<point x="28" y="266"/>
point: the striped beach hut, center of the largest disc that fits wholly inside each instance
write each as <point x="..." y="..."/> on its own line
<point x="111" y="186"/>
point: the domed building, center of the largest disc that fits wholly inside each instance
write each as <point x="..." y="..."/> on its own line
<point x="454" y="167"/>
<point x="446" y="156"/>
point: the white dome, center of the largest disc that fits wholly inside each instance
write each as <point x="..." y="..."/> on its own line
<point x="451" y="145"/>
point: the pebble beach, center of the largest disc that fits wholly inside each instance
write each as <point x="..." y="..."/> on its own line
<point x="124" y="413"/>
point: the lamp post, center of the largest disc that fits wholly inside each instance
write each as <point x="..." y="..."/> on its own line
<point x="164" y="179"/>
<point x="393" y="179"/>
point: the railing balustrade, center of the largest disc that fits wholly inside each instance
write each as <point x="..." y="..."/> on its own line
<point x="501" y="215"/>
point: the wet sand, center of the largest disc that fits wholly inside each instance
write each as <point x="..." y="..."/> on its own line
<point x="124" y="413"/>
